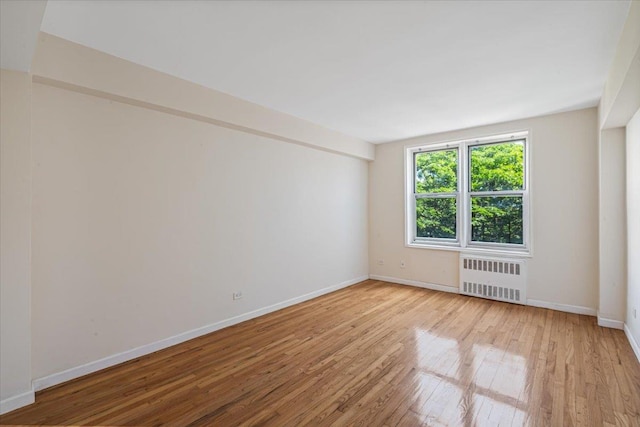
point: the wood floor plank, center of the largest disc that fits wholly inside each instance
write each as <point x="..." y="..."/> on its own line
<point x="373" y="354"/>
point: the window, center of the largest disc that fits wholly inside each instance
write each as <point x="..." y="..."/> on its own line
<point x="469" y="194"/>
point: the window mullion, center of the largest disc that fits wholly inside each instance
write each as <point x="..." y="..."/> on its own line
<point x="464" y="212"/>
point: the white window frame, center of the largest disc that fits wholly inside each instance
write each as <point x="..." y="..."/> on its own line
<point x="463" y="195"/>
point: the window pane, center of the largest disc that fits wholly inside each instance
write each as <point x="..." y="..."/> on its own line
<point x="436" y="218"/>
<point x="496" y="219"/>
<point x="436" y="171"/>
<point x="496" y="167"/>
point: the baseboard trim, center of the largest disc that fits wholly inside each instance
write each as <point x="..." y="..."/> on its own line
<point x="425" y="285"/>
<point x="17" y="401"/>
<point x="115" y="359"/>
<point x="610" y="323"/>
<point x="634" y="344"/>
<point x="575" y="309"/>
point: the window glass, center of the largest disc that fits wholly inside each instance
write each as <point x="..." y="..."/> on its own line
<point x="497" y="219"/>
<point x="436" y="218"/>
<point x="497" y="167"/>
<point x="436" y="171"/>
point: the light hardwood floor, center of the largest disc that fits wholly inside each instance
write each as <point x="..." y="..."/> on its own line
<point x="374" y="354"/>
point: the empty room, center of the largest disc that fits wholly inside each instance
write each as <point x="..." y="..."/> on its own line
<point x="288" y="213"/>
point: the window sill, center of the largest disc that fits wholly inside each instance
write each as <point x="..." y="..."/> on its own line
<point x="519" y="253"/>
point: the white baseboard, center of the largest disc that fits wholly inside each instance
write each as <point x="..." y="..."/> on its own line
<point x="425" y="285"/>
<point x="18" y="401"/>
<point x="634" y="344"/>
<point x="610" y="323"/>
<point x="97" y="365"/>
<point x="575" y="309"/>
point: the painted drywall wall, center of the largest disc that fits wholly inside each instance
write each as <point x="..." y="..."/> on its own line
<point x="619" y="107"/>
<point x="633" y="227"/>
<point x="612" y="227"/>
<point x="620" y="94"/>
<point x="144" y="223"/>
<point x="19" y="27"/>
<point x="62" y="62"/>
<point x="15" y="240"/>
<point x="564" y="266"/>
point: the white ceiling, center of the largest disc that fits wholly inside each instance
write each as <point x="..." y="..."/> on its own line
<point x="376" y="70"/>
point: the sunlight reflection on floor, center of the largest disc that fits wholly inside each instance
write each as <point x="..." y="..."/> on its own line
<point x="485" y="386"/>
<point x="511" y="371"/>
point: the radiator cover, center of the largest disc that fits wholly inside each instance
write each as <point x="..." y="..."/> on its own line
<point x="502" y="279"/>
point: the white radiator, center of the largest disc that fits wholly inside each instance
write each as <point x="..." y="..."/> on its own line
<point x="494" y="278"/>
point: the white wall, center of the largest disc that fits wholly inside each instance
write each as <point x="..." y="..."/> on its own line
<point x="145" y="202"/>
<point x="619" y="108"/>
<point x="19" y="27"/>
<point x="633" y="229"/>
<point x="144" y="224"/>
<point x="15" y="240"/>
<point x="612" y="228"/>
<point x="620" y="96"/>
<point x="564" y="182"/>
<point x="66" y="64"/>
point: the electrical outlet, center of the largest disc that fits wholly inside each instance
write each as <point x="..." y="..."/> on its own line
<point x="380" y="262"/>
<point x="402" y="264"/>
<point x="237" y="295"/>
